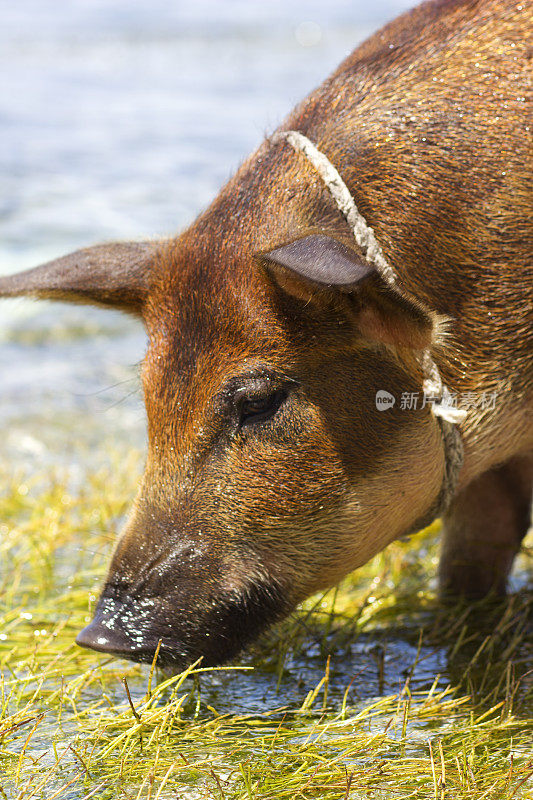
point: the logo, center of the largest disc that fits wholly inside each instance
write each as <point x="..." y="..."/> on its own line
<point x="384" y="400"/>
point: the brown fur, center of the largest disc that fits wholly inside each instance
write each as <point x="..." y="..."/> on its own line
<point x="236" y="524"/>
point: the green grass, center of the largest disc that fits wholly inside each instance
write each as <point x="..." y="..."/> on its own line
<point x="371" y="691"/>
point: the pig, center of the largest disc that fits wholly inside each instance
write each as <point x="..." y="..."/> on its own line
<point x="310" y="335"/>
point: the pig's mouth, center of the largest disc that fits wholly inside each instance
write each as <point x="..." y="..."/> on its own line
<point x="134" y="629"/>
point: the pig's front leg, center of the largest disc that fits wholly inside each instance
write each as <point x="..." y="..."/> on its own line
<point x="483" y="529"/>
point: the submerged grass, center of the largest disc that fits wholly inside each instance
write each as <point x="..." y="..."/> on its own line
<point x="370" y="691"/>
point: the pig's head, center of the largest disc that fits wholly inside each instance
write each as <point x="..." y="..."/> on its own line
<point x="271" y="473"/>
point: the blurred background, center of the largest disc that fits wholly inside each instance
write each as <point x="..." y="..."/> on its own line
<point x="121" y="119"/>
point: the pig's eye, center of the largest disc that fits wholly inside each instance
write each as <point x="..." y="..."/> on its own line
<point x="256" y="409"/>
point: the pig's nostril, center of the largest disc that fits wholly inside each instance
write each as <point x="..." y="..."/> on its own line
<point x="98" y="636"/>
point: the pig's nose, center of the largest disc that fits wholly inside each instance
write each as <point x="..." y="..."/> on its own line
<point x="98" y="636"/>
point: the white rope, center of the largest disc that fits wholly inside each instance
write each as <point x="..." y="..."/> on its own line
<point x="365" y="238"/>
<point x="441" y="399"/>
<point x="363" y="233"/>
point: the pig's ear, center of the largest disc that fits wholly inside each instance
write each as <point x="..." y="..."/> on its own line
<point x="113" y="275"/>
<point x="317" y="267"/>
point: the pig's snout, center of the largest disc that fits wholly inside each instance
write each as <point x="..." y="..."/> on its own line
<point x="100" y="635"/>
<point x="120" y="628"/>
<point x="190" y="623"/>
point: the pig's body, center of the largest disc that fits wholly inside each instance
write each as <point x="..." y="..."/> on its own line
<point x="271" y="473"/>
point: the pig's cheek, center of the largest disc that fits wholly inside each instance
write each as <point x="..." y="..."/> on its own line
<point x="287" y="479"/>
